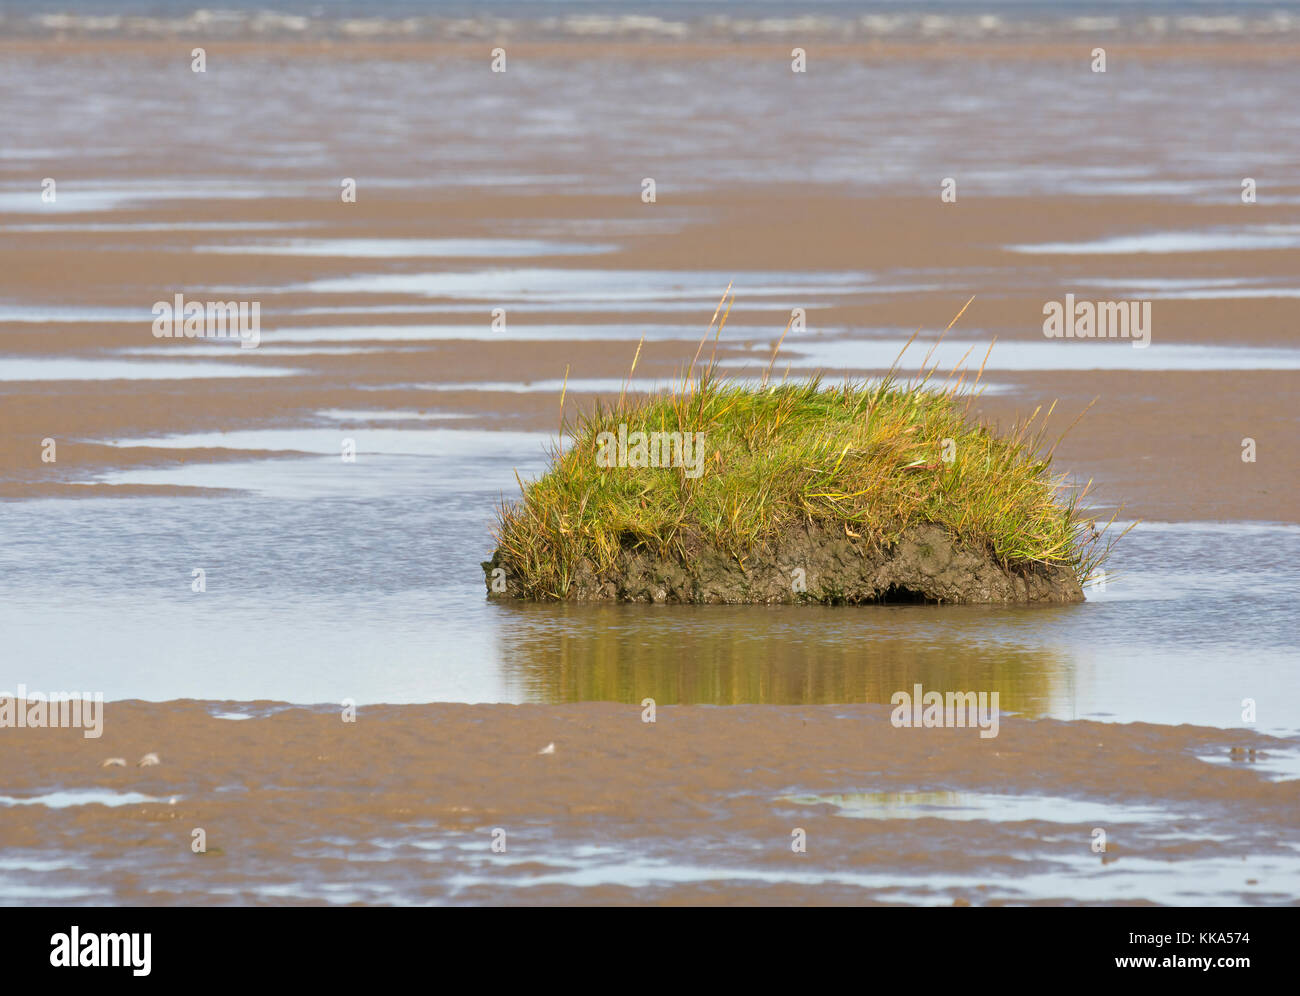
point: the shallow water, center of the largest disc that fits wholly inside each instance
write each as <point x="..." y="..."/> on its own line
<point x="88" y="797"/>
<point x="569" y="287"/>
<point x="596" y="131"/>
<point x="362" y="581"/>
<point x="328" y="581"/>
<point x="975" y="806"/>
<point x="980" y="846"/>
<point x="822" y="353"/>
<point x="65" y="369"/>
<point x="515" y="331"/>
<point x="412" y="248"/>
<point x="1258" y="237"/>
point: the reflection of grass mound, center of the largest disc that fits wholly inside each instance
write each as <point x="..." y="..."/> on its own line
<point x="731" y="654"/>
<point x="873" y="491"/>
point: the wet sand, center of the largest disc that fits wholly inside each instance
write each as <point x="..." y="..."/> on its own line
<point x="300" y="807"/>
<point x="401" y="806"/>
<point x="1166" y="444"/>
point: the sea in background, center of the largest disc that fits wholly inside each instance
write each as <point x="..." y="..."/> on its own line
<point x="671" y="20"/>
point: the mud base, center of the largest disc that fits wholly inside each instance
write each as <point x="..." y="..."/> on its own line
<point x="818" y="564"/>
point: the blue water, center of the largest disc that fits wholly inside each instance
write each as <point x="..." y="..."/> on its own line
<point x="327" y="580"/>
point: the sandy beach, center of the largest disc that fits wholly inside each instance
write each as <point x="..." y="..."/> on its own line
<point x="328" y="580"/>
<point x="402" y="804"/>
<point x="1150" y="438"/>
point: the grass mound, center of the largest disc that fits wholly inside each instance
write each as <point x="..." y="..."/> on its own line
<point x="870" y="459"/>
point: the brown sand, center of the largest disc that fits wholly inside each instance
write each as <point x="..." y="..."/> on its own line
<point x="302" y="798"/>
<point x="1167" y="444"/>
<point x="300" y="801"/>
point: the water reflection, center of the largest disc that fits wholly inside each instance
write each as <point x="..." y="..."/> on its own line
<point x="732" y="654"/>
<point x="363" y="582"/>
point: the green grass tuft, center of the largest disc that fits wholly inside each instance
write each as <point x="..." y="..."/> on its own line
<point x="873" y="458"/>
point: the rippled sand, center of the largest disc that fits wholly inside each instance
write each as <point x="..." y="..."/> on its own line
<point x="403" y="806"/>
